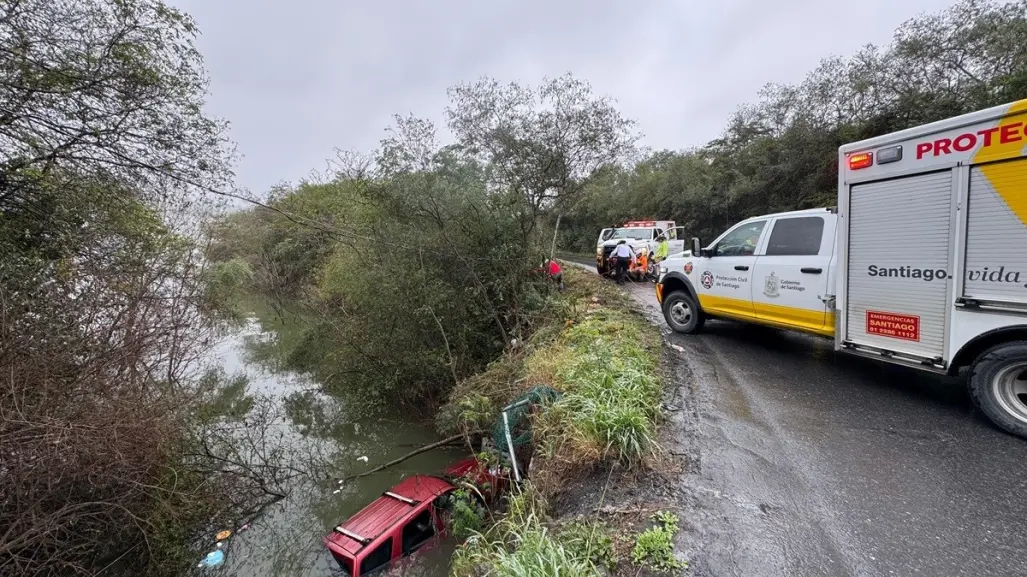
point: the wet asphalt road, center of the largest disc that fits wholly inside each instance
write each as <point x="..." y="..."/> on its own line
<point x="809" y="462"/>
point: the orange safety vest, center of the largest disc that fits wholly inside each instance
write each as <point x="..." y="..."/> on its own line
<point x="641" y="262"/>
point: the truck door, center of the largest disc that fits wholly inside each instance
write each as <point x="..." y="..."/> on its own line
<point x="899" y="239"/>
<point x="791" y="274"/>
<point x="996" y="234"/>
<point x="676" y="239"/>
<point x="725" y="277"/>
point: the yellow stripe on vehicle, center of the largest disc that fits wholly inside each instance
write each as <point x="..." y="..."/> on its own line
<point x="777" y="316"/>
<point x="806" y="320"/>
<point x="737" y="308"/>
<point x="999" y="173"/>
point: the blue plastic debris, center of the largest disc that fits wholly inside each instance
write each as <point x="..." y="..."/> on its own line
<point x="213" y="559"/>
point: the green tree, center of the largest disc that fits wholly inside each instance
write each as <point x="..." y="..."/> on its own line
<point x="542" y="143"/>
<point x="104" y="87"/>
<point x="780" y="153"/>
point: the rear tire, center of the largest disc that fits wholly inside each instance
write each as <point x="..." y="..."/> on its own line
<point x="998" y="386"/>
<point x="601" y="270"/>
<point x="682" y="313"/>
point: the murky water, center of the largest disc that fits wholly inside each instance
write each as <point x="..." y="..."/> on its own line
<point x="286" y="540"/>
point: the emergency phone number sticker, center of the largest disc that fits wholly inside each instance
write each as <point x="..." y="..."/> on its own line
<point x="896" y="326"/>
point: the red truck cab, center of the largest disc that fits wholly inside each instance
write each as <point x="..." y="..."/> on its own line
<point x="404" y="519"/>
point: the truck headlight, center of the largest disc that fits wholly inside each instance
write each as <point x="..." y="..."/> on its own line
<point x="663" y="270"/>
<point x="599" y="251"/>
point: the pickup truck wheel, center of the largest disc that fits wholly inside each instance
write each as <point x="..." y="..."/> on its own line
<point x="998" y="386"/>
<point x="682" y="313"/>
<point x="601" y="270"/>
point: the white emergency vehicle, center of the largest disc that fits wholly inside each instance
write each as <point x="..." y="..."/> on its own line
<point x="924" y="263"/>
<point x="641" y="236"/>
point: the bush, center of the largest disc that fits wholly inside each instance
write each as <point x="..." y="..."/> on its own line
<point x="467" y="515"/>
<point x="654" y="547"/>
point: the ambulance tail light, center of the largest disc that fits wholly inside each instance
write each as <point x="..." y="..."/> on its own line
<point x="861" y="160"/>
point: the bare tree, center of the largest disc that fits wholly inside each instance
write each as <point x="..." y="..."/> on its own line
<point x="542" y="142"/>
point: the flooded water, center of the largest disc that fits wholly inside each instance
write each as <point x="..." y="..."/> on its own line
<point x="287" y="539"/>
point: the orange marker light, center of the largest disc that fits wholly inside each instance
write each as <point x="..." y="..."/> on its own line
<point x="861" y="160"/>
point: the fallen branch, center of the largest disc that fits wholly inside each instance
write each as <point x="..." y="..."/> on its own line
<point x="413" y="453"/>
<point x="456" y="443"/>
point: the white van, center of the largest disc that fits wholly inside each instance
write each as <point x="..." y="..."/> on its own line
<point x="924" y="263"/>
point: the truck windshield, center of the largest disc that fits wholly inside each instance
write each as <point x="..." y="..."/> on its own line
<point x="633" y="233"/>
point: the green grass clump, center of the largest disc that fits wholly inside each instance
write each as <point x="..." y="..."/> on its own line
<point x="654" y="547"/>
<point x="602" y="357"/>
<point x="521" y="545"/>
<point x="590" y="541"/>
<point x="606" y="366"/>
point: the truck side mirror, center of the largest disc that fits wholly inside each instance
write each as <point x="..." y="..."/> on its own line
<point x="696" y="247"/>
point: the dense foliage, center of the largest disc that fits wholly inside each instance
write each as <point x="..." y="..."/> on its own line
<point x="104" y="467"/>
<point x="419" y="265"/>
<point x="781" y="152"/>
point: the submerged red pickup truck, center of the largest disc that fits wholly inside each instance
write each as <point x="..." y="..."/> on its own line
<point x="405" y="519"/>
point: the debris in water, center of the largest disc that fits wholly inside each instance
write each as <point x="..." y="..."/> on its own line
<point x="362" y="458"/>
<point x="244" y="527"/>
<point x="213" y="559"/>
<point x="223" y="535"/>
<point x="336" y="492"/>
<point x="678" y="348"/>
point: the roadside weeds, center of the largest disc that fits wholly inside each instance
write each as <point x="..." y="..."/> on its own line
<point x="602" y="495"/>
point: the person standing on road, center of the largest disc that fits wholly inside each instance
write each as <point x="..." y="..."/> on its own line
<point x="662" y="249"/>
<point x="625" y="256"/>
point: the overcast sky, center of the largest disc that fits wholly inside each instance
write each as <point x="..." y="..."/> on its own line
<point x="298" y="79"/>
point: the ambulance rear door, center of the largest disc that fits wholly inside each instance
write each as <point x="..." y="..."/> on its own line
<point x="898" y="254"/>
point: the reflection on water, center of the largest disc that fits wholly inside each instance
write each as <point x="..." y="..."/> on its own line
<point x="286" y="540"/>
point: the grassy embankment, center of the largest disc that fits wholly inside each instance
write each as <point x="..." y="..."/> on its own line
<point x="602" y="356"/>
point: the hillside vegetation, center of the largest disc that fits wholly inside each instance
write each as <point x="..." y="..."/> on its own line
<point x="780" y="153"/>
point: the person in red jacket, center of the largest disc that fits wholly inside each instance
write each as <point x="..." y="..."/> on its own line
<point x="554" y="271"/>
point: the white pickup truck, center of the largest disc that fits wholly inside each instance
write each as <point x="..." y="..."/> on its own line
<point x="924" y="262"/>
<point x="641" y="236"/>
